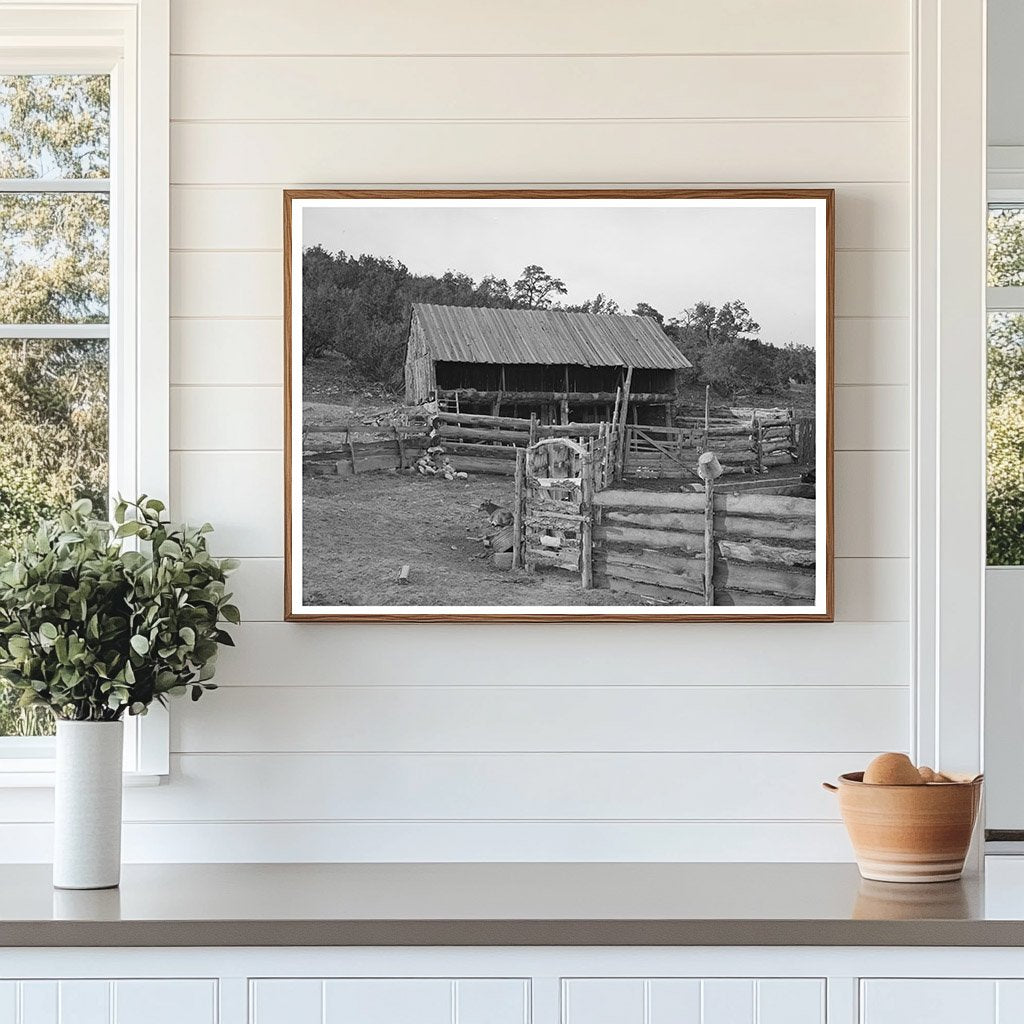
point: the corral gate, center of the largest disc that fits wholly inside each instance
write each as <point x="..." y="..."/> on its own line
<point x="554" y="499"/>
<point x="691" y="548"/>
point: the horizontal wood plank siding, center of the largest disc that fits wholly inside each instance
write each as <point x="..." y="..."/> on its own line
<point x="703" y="741"/>
<point x="591" y="152"/>
<point x="714" y="717"/>
<point x="578" y="26"/>
<point x="538" y="88"/>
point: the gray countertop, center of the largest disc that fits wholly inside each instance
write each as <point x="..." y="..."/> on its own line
<point x="505" y="904"/>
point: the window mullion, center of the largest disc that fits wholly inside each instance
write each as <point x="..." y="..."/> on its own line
<point x="1005" y="299"/>
<point x="54" y="185"/>
<point x="62" y="332"/>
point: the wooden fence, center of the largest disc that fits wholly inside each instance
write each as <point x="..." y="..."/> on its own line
<point x="473" y="443"/>
<point x="335" y="448"/>
<point x="754" y="443"/>
<point x="705" y="548"/>
<point x="489" y="444"/>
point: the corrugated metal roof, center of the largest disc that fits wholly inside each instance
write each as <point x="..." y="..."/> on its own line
<point x="469" y="334"/>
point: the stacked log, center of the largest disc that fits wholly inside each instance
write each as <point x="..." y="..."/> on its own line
<point x="653" y="545"/>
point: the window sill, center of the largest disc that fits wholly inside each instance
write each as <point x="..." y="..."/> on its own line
<point x="38" y="773"/>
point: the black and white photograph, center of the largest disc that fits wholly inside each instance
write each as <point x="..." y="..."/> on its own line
<point x="568" y="405"/>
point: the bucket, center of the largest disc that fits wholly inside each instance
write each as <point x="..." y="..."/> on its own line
<point x="909" y="833"/>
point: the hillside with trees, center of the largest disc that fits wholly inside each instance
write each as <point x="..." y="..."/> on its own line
<point x="359" y="307"/>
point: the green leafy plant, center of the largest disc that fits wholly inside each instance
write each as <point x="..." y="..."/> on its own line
<point x="91" y="629"/>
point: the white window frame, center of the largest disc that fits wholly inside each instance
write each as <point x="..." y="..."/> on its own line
<point x="949" y="398"/>
<point x="1003" y="718"/>
<point x="130" y="41"/>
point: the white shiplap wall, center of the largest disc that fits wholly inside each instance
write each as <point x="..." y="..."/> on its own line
<point x="537" y="742"/>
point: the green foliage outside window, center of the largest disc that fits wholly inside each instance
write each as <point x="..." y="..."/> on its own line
<point x="1005" y="479"/>
<point x="54" y="269"/>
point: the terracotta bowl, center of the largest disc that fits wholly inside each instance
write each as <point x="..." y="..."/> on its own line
<point x="909" y="833"/>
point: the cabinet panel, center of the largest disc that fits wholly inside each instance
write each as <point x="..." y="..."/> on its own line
<point x="694" y="1001"/>
<point x="727" y="1001"/>
<point x="492" y="1002"/>
<point x="929" y="1001"/>
<point x="1010" y="1002"/>
<point x="389" y="1001"/>
<point x="286" y="1001"/>
<point x="101" y="1001"/>
<point x="790" y="1001"/>
<point x="38" y="1002"/>
<point x="8" y="1002"/>
<point x="165" y="1002"/>
<point x="603" y="1001"/>
<point x="84" y="1002"/>
<point x="674" y="1000"/>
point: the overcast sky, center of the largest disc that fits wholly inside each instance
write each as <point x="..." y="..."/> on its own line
<point x="669" y="257"/>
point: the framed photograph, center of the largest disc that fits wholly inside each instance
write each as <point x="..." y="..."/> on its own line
<point x="558" y="405"/>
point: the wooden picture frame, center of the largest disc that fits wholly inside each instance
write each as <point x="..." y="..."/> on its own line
<point x="610" y="529"/>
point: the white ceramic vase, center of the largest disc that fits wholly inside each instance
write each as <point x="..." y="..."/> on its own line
<point x="87" y="806"/>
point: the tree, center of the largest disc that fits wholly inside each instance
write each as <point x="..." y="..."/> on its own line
<point x="1006" y="247"/>
<point x="719" y="324"/>
<point x="600" y="304"/>
<point x="53" y="405"/>
<point x="1005" y="356"/>
<point x="535" y="288"/>
<point x="738" y="365"/>
<point x="1005" y="482"/>
<point x="53" y="251"/>
<point x="699" y="319"/>
<point x="1005" y="477"/>
<point x="733" y="320"/>
<point x="643" y="309"/>
<point x="53" y="270"/>
<point x="320" y="303"/>
<point x="494" y="293"/>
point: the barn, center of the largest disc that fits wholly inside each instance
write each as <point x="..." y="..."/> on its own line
<point x="562" y="366"/>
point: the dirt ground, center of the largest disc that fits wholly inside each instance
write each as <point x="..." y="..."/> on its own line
<point x="358" y="531"/>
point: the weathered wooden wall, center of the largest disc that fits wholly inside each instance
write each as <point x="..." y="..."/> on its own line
<point x="420" y="378"/>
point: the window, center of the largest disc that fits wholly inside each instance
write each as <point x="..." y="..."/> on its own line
<point x="1005" y="479"/>
<point x="54" y="309"/>
<point x="84" y="125"/>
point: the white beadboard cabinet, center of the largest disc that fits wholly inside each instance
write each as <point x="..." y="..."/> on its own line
<point x="389" y="1001"/>
<point x="942" y="1001"/>
<point x="103" y="1001"/>
<point x="693" y="1001"/>
<point x="513" y="985"/>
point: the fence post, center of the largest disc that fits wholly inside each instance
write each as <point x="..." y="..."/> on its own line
<point x="401" y="448"/>
<point x="517" y="511"/>
<point x="709" y="540"/>
<point x="759" y="441"/>
<point x="620" y="458"/>
<point x="587" y="526"/>
<point x="707" y="416"/>
<point x="351" y="451"/>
